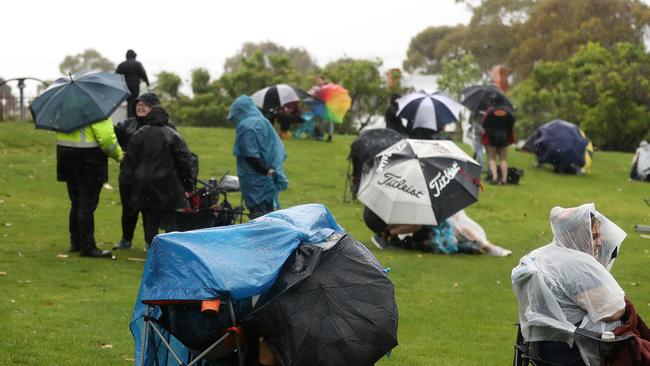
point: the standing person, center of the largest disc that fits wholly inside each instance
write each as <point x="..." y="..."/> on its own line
<point x="125" y="131"/>
<point x="82" y="162"/>
<point x="392" y="120"/>
<point x="158" y="169"/>
<point x="133" y="72"/>
<point x="320" y="82"/>
<point x="498" y="133"/>
<point x="260" y="157"/>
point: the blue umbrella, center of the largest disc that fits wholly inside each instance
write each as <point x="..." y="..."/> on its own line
<point x="559" y="143"/>
<point x="430" y="111"/>
<point x="71" y="103"/>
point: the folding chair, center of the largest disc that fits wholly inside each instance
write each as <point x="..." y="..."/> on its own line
<point x="156" y="334"/>
<point x="525" y="354"/>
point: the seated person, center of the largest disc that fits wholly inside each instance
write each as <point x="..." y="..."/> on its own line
<point x="458" y="234"/>
<point x="287" y="115"/>
<point x="567" y="284"/>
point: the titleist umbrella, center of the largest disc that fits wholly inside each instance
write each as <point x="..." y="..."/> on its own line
<point x="419" y="182"/>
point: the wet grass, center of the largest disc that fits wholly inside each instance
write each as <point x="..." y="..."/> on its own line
<point x="454" y="310"/>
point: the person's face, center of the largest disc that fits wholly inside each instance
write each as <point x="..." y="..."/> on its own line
<point x="596" y="239"/>
<point x="142" y="109"/>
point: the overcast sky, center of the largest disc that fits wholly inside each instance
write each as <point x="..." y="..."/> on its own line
<point x="178" y="36"/>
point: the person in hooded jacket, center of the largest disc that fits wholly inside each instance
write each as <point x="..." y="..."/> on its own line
<point x="260" y="157"/>
<point x="133" y="72"/>
<point x="158" y="169"/>
<point x="567" y="284"/>
<point x="125" y="131"/>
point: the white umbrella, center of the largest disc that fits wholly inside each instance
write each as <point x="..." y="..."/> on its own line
<point x="275" y="96"/>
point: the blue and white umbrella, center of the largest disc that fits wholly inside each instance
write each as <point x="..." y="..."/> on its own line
<point x="430" y="111"/>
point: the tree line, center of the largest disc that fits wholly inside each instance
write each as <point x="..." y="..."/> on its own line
<point x="582" y="60"/>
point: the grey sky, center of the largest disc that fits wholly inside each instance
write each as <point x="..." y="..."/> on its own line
<point x="178" y="36"/>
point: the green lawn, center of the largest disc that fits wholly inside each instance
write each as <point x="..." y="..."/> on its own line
<point x="454" y="310"/>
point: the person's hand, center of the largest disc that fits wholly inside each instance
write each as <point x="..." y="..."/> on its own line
<point x="270" y="173"/>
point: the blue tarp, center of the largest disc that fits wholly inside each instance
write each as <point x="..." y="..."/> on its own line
<point x="240" y="260"/>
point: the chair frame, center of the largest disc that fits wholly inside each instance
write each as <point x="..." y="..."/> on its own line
<point x="606" y="348"/>
<point x="152" y="326"/>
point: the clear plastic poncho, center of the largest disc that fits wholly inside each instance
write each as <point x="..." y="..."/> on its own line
<point x="567" y="282"/>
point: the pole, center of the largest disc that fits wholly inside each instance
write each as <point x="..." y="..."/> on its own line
<point x="21" y="86"/>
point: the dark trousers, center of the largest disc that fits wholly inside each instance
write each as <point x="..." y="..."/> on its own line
<point x="84" y="197"/>
<point x="260" y="209"/>
<point x="155" y="219"/>
<point x="129" y="213"/>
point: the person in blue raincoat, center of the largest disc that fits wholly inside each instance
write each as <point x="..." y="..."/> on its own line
<point x="260" y="157"/>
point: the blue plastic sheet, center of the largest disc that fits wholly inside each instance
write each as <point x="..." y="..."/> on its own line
<point x="239" y="261"/>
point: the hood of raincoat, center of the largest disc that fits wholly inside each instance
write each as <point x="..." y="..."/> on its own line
<point x="572" y="228"/>
<point x="563" y="284"/>
<point x="131" y="55"/>
<point x="158" y="116"/>
<point x="243" y="107"/>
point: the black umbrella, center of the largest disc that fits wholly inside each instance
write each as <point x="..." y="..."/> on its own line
<point x="275" y="96"/>
<point x="71" y="103"/>
<point x="481" y="97"/>
<point x="370" y="143"/>
<point x="328" y="307"/>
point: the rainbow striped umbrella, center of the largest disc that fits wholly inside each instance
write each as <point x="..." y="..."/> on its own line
<point x="335" y="100"/>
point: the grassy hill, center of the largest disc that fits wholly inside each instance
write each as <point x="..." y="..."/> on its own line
<point x="454" y="310"/>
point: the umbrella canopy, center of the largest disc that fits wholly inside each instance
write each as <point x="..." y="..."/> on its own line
<point x="71" y="103"/>
<point x="275" y="96"/>
<point x="559" y="143"/>
<point x="430" y="111"/>
<point x="370" y="143"/>
<point x="330" y="306"/>
<point x="481" y="97"/>
<point x="335" y="100"/>
<point x="419" y="182"/>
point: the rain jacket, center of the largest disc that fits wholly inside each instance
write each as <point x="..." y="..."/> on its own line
<point x="157" y="165"/>
<point x="566" y="283"/>
<point x="82" y="154"/>
<point x="133" y="72"/>
<point x="256" y="138"/>
<point x="498" y="130"/>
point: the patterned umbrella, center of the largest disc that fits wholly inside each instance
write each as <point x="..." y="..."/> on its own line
<point x="335" y="104"/>
<point x="430" y="111"/>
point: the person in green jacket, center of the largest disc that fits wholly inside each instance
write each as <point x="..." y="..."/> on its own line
<point x="82" y="162"/>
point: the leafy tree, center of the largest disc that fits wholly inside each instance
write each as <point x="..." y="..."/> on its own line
<point x="88" y="60"/>
<point x="364" y="83"/>
<point x="168" y="84"/>
<point x="555" y="29"/>
<point x="605" y="91"/>
<point x="258" y="71"/>
<point x="200" y="81"/>
<point x="302" y="60"/>
<point x="458" y="73"/>
<point x="422" y="54"/>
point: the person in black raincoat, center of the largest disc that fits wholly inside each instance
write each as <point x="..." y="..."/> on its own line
<point x="133" y="72"/>
<point x="124" y="131"/>
<point x="158" y="169"/>
<point x="392" y="120"/>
